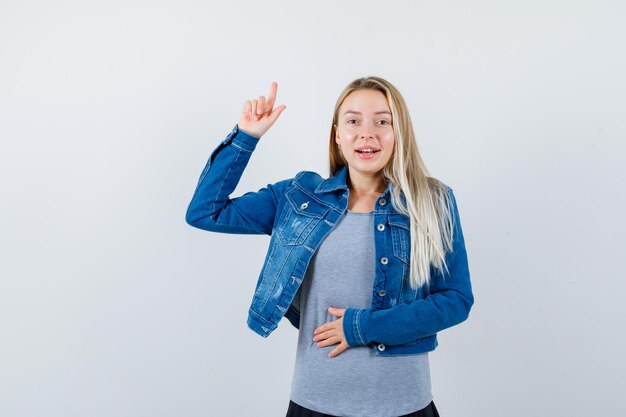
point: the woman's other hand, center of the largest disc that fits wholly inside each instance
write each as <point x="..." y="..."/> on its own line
<point x="331" y="333"/>
<point x="259" y="115"/>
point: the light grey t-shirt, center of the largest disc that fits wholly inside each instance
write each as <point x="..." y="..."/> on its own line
<point x="357" y="383"/>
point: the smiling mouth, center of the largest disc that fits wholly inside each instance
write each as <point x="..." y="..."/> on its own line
<point x="368" y="150"/>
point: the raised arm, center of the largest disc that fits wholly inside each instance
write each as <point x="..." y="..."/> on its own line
<point x="211" y="207"/>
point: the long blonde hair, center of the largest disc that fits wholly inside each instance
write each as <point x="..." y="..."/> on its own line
<point x="427" y="200"/>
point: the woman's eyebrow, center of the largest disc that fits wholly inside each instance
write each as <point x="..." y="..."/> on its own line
<point x="358" y="112"/>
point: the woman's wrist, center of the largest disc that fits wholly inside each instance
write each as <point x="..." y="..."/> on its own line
<point x="254" y="135"/>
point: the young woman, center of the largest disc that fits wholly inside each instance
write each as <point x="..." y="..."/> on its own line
<point x="369" y="264"/>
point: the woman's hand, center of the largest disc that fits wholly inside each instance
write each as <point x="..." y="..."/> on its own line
<point x="331" y="333"/>
<point x="259" y="115"/>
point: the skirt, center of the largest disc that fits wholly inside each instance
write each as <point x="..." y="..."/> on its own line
<point x="296" y="410"/>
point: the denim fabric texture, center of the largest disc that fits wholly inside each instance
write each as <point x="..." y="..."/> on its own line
<point x="298" y="213"/>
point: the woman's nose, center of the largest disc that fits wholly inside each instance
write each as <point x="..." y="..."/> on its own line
<point x="366" y="131"/>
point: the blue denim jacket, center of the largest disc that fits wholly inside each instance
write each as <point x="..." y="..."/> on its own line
<point x="298" y="213"/>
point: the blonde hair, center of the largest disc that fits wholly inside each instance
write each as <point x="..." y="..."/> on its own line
<point x="427" y="200"/>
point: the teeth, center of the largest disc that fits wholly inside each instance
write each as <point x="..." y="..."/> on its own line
<point x="366" y="151"/>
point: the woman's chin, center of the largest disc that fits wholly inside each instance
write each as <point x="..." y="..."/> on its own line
<point x="365" y="168"/>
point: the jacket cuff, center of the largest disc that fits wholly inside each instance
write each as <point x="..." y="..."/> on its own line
<point x="352" y="326"/>
<point x="241" y="139"/>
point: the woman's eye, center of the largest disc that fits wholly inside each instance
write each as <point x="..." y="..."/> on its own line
<point x="350" y="121"/>
<point x="384" y="122"/>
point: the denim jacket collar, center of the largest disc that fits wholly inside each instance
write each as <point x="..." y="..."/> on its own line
<point x="336" y="182"/>
<point x="340" y="181"/>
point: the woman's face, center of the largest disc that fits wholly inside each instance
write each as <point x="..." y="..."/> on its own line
<point x="365" y="132"/>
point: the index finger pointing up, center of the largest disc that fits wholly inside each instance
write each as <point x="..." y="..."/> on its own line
<point x="271" y="98"/>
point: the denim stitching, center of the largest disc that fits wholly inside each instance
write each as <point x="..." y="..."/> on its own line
<point x="358" y="325"/>
<point x="219" y="190"/>
<point x="279" y="273"/>
<point x="313" y="196"/>
<point x="238" y="145"/>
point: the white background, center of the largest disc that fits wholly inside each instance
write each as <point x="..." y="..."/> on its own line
<point x="111" y="305"/>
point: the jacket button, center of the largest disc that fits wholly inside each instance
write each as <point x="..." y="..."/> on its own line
<point x="380" y="227"/>
<point x="384" y="260"/>
<point x="382" y="293"/>
<point x="381" y="347"/>
<point x="382" y="202"/>
<point x="304" y="205"/>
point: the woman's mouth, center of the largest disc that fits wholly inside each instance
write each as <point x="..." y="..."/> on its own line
<point x="366" y="153"/>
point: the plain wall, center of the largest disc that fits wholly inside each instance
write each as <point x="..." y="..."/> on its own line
<point x="111" y="305"/>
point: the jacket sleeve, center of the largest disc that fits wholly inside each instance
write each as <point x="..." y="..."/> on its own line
<point x="212" y="209"/>
<point x="448" y="303"/>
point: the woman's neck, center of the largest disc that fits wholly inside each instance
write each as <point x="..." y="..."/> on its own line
<point x="361" y="185"/>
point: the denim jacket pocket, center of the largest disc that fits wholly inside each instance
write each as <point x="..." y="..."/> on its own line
<point x="400" y="236"/>
<point x="299" y="217"/>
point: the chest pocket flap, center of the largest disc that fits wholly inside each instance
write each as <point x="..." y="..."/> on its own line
<point x="401" y="236"/>
<point x="305" y="205"/>
<point x="300" y="217"/>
